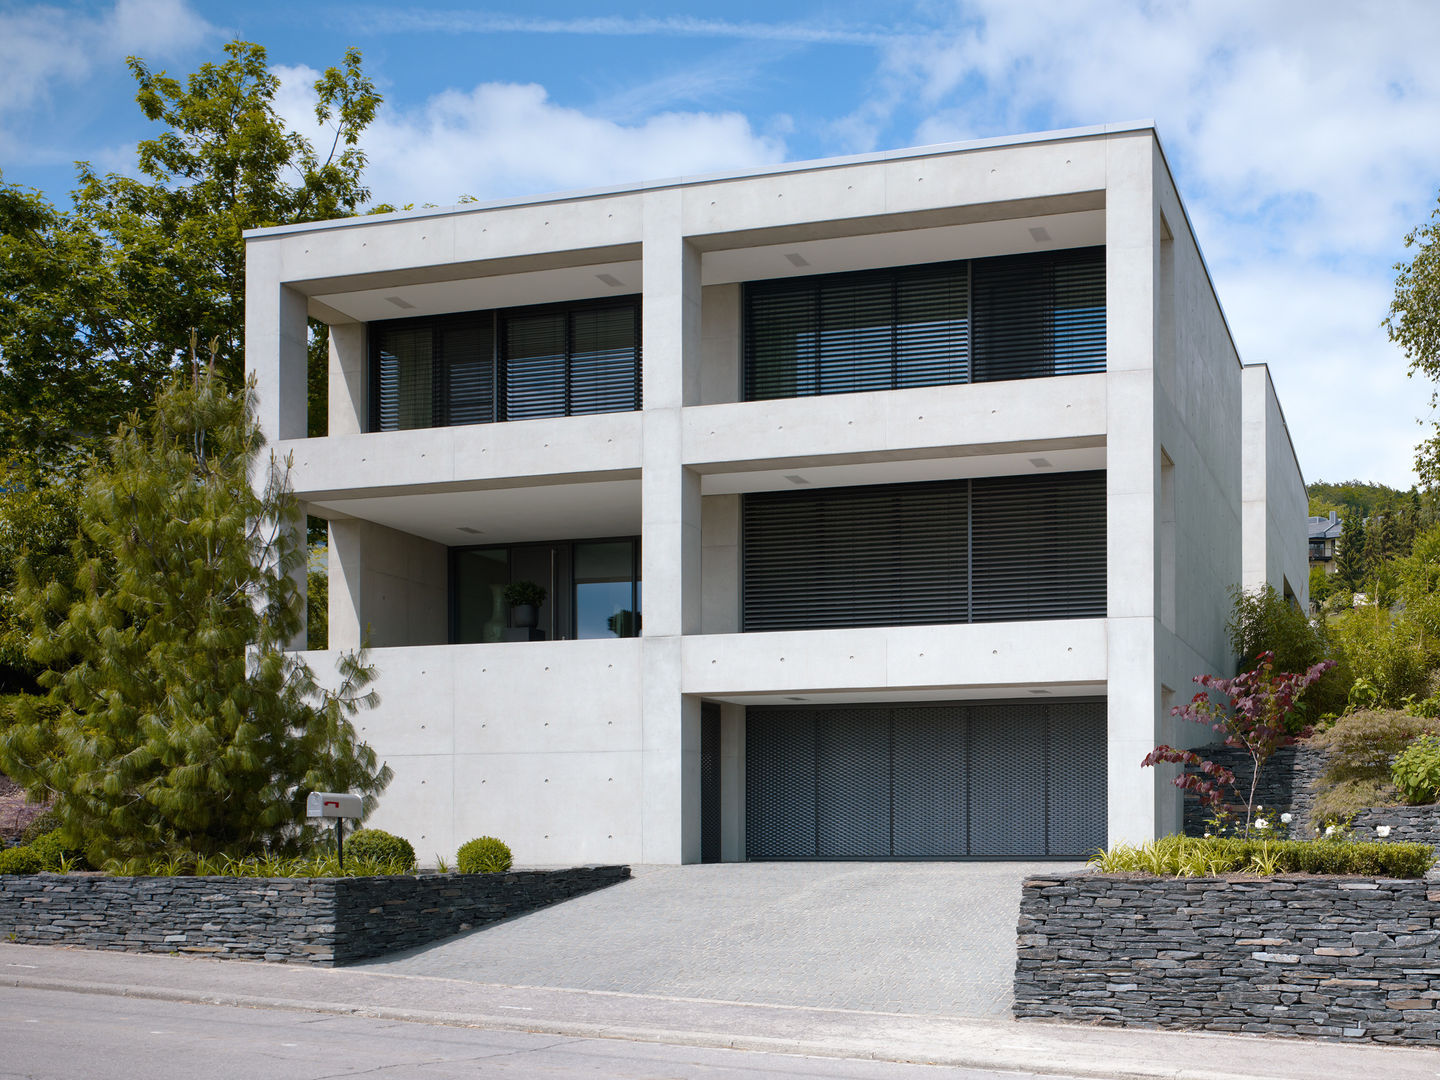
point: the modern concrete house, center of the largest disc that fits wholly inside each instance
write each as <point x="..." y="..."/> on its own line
<point x="884" y="505"/>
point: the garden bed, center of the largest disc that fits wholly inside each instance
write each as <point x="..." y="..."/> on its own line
<point x="311" y="920"/>
<point x="1352" y="958"/>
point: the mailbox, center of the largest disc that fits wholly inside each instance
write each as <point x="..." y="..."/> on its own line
<point x="333" y="804"/>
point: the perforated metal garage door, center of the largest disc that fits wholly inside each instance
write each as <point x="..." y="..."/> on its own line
<point x="943" y="781"/>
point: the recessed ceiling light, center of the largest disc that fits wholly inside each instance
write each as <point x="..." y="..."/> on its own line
<point x="400" y="302"/>
<point x="796" y="259"/>
<point x="468" y="529"/>
<point x="1041" y="463"/>
<point x="611" y="280"/>
<point x="1040" y="235"/>
<point x="796" y="478"/>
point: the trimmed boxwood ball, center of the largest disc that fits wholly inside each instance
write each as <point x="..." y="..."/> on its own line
<point x="483" y="855"/>
<point x="381" y="846"/>
<point x="20" y="860"/>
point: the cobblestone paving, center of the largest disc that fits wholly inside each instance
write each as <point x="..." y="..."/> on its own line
<point x="923" y="938"/>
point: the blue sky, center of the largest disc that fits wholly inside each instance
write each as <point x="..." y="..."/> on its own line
<point x="1302" y="134"/>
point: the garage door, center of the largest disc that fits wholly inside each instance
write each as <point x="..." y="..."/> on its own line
<point x="942" y="781"/>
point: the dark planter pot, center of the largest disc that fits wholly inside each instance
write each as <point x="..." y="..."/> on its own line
<point x="525" y="616"/>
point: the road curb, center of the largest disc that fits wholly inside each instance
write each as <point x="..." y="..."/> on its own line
<point x="1018" y="1062"/>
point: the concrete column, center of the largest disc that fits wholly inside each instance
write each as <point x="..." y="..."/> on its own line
<point x="275" y="346"/>
<point x="348" y="398"/>
<point x="732" y="783"/>
<point x="1132" y="233"/>
<point x="670" y="536"/>
<point x="346" y="570"/>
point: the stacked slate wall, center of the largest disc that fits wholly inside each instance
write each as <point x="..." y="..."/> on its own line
<point x="1344" y="958"/>
<point x="1286" y="784"/>
<point x="311" y="920"/>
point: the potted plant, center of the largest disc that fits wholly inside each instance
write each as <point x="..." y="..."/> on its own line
<point x="524" y="598"/>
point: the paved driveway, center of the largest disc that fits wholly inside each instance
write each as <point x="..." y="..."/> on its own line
<point x="929" y="938"/>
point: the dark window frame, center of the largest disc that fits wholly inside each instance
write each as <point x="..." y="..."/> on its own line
<point x="993" y="349"/>
<point x="440" y="409"/>
<point x="568" y="573"/>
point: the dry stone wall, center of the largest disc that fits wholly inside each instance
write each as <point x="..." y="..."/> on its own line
<point x="310" y="920"/>
<point x="1344" y="958"/>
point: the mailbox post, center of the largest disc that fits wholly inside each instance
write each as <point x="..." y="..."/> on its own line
<point x="337" y="805"/>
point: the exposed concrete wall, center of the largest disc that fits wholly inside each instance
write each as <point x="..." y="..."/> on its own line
<point x="719" y="345"/>
<point x="348" y="400"/>
<point x="720" y="564"/>
<point x="386" y="587"/>
<point x="495" y="740"/>
<point x="1275" y="503"/>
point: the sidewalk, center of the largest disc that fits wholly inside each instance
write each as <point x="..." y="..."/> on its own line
<point x="998" y="1044"/>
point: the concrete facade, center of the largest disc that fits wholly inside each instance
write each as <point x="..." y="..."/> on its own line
<point x="590" y="750"/>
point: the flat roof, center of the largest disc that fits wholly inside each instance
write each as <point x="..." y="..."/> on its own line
<point x="738" y="174"/>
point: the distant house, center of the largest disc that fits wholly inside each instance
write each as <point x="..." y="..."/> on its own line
<point x="1324" y="537"/>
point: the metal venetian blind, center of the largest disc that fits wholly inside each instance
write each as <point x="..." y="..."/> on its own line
<point x="467" y="353"/>
<point x="884" y="555"/>
<point x="1038" y="547"/>
<point x="405" y="387"/>
<point x="1039" y="314"/>
<point x="605" y="360"/>
<point x="533" y="354"/>
<point x="846" y="333"/>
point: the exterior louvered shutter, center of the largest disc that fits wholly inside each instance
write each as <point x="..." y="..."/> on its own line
<point x="605" y="360"/>
<point x="534" y="355"/>
<point x="847" y="333"/>
<point x="872" y="556"/>
<point x="904" y="554"/>
<point x="467" y="350"/>
<point x="1039" y="314"/>
<point x="404" y="358"/>
<point x="1038" y="547"/>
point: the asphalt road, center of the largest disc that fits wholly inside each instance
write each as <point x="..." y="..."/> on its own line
<point x="54" y="1034"/>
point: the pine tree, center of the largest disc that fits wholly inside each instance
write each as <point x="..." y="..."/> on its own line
<point x="184" y="728"/>
<point x="1350" y="552"/>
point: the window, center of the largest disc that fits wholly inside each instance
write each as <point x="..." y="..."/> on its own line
<point x="985" y="550"/>
<point x="592" y="588"/>
<point x="512" y="364"/>
<point x="1012" y="317"/>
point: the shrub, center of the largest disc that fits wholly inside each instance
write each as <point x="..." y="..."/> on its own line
<point x="1389" y="656"/>
<point x="1264" y="621"/>
<point x="1187" y="856"/>
<point x="381" y="846"/>
<point x="48" y="821"/>
<point x="256" y="866"/>
<point x="483" y="855"/>
<point x="52" y="852"/>
<point x="20" y="860"/>
<point x="1416" y="771"/>
<point x="1362" y="745"/>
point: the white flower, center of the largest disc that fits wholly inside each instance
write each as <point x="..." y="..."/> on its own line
<point x="1207" y="836"/>
<point x="1329" y="830"/>
<point x="1285" y="819"/>
<point x="1382" y="831"/>
<point x="1262" y="823"/>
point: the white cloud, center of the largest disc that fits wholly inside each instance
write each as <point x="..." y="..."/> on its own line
<point x="44" y="49"/>
<point x="504" y="139"/>
<point x="1299" y="131"/>
<point x="452" y="21"/>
